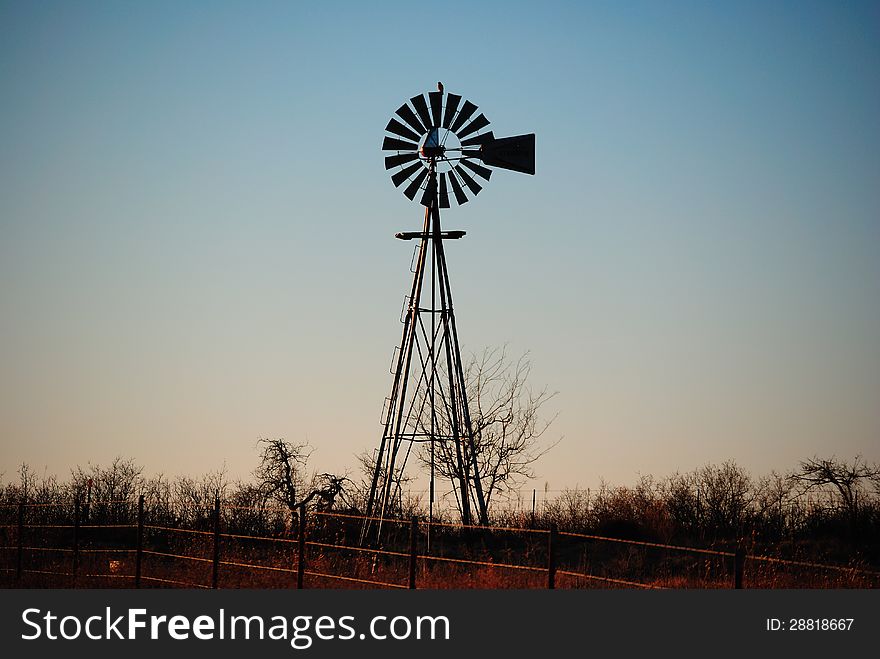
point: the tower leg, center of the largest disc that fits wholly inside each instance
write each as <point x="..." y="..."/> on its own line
<point x="401" y="374"/>
<point x="459" y="374"/>
<point x="441" y="387"/>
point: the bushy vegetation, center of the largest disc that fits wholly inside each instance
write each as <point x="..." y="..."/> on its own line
<point x="824" y="509"/>
<point x="835" y="514"/>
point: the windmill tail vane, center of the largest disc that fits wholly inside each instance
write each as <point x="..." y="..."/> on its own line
<point x="439" y="146"/>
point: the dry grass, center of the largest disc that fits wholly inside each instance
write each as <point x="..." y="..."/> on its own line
<point x="118" y="570"/>
<point x="485" y="559"/>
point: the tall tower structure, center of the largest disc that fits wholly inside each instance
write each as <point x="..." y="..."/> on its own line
<point x="438" y="146"/>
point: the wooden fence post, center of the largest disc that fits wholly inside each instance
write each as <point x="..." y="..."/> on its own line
<point x="139" y="556"/>
<point x="551" y="557"/>
<point x="20" y="543"/>
<point x="739" y="560"/>
<point x="413" y="536"/>
<point x="301" y="547"/>
<point x="294" y="532"/>
<point x="215" y="573"/>
<point x="75" y="540"/>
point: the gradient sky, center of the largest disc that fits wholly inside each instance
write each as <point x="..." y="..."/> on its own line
<point x="196" y="228"/>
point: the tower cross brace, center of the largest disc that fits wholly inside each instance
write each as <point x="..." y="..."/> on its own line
<point x="428" y="402"/>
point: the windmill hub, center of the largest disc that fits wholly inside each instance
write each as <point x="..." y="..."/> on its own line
<point x="432" y="147"/>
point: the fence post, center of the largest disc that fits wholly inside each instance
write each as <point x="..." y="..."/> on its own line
<point x="216" y="568"/>
<point x="413" y="536"/>
<point x="75" y="540"/>
<point x="551" y="557"/>
<point x="739" y="560"/>
<point x="20" y="543"/>
<point x="294" y="533"/>
<point x="301" y="547"/>
<point x="139" y="556"/>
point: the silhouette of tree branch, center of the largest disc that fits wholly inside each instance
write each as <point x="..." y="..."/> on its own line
<point x="507" y="424"/>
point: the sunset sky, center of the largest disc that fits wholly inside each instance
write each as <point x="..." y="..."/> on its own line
<point x="196" y="227"/>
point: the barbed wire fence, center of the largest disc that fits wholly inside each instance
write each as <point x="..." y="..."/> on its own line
<point x="69" y="545"/>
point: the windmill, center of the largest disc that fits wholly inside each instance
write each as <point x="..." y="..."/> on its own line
<point x="437" y="145"/>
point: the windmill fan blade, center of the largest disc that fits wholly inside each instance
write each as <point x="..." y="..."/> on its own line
<point x="516" y="153"/>
<point x="394" y="144"/>
<point x="404" y="174"/>
<point x="479" y="139"/>
<point x="474" y="126"/>
<point x="436" y="99"/>
<point x="430" y="193"/>
<point x="460" y="196"/>
<point x="452" y="101"/>
<point x="466" y="111"/>
<point x="473" y="186"/>
<point x="471" y="153"/>
<point x="401" y="158"/>
<point x="444" y="192"/>
<point x="413" y="187"/>
<point x="477" y="169"/>
<point x="394" y="126"/>
<point x="422" y="108"/>
<point x="406" y="113"/>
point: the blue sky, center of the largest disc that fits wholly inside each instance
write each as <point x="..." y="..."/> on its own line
<point x="197" y="227"/>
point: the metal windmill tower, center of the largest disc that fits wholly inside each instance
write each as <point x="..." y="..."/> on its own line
<point x="437" y="145"/>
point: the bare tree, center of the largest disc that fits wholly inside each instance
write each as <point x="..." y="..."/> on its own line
<point x="847" y="480"/>
<point x="115" y="488"/>
<point x="725" y="494"/>
<point x="774" y="503"/>
<point x="325" y="489"/>
<point x="281" y="472"/>
<point x="194" y="497"/>
<point x="282" y="475"/>
<point x="507" y="425"/>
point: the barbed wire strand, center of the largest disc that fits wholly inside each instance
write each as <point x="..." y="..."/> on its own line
<point x="178" y="556"/>
<point x="355" y="580"/>
<point x="256" y="537"/>
<point x="642" y="543"/>
<point x="61" y="549"/>
<point x="108" y="551"/>
<point x="483" y="563"/>
<point x="514" y="529"/>
<point x="54" y="574"/>
<point x="176" y="530"/>
<point x="361" y="518"/>
<point x="48" y="526"/>
<point x="822" y="566"/>
<point x="258" y="567"/>
<point x="229" y="506"/>
<point x="178" y="583"/>
<point x="108" y="526"/>
<point x="384" y="552"/>
<point x="622" y="582"/>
